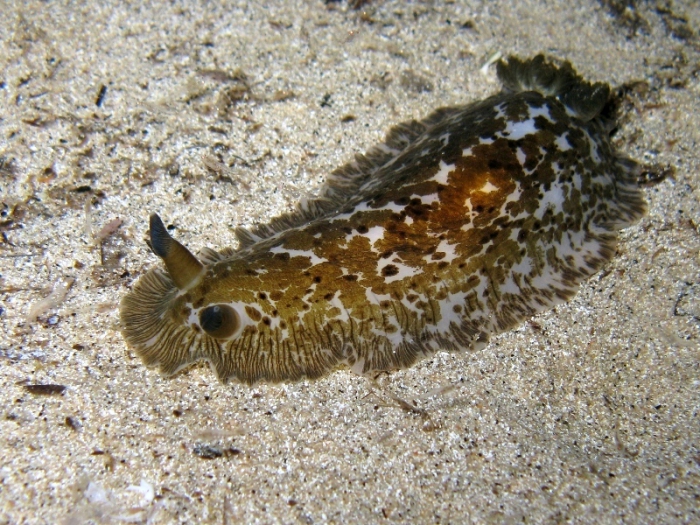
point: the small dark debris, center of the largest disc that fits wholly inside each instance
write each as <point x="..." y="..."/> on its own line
<point x="207" y="451"/>
<point x="688" y="301"/>
<point x="326" y="101"/>
<point x="173" y="169"/>
<point x="7" y="166"/>
<point x="536" y="326"/>
<point x="177" y="413"/>
<point x="72" y="423"/>
<point x="101" y="96"/>
<point x="276" y="24"/>
<point x="49" y="173"/>
<point x="83" y="189"/>
<point x="45" y="390"/>
<point x="353" y="4"/>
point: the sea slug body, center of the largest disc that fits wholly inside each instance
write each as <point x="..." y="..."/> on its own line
<point x="457" y="227"/>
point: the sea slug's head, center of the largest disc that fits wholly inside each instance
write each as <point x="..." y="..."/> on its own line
<point x="168" y="318"/>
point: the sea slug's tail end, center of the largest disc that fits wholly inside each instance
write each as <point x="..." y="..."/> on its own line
<point x="588" y="102"/>
<point x="584" y="99"/>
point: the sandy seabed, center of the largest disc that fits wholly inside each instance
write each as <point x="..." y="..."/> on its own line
<point x="227" y="114"/>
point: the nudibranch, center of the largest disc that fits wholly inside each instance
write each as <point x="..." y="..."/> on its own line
<point x="457" y="227"/>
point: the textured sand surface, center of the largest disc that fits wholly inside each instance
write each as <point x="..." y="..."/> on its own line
<point x="223" y="115"/>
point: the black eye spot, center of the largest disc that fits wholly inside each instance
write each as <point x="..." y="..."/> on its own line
<point x="219" y="321"/>
<point x="211" y="318"/>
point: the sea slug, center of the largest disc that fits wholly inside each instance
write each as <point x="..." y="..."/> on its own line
<point x="457" y="227"/>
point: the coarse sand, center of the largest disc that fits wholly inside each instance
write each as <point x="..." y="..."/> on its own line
<point x="223" y="114"/>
